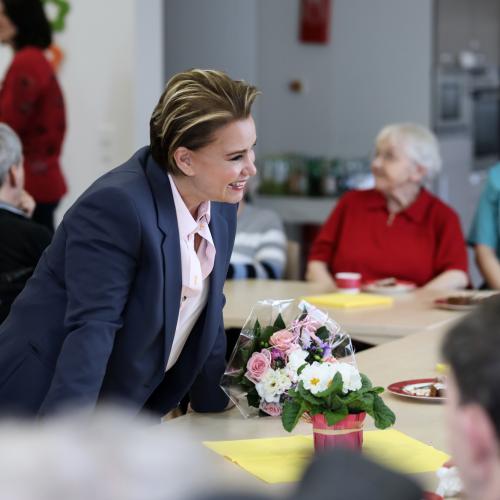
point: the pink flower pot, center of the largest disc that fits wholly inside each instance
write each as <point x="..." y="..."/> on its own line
<point x="347" y="433"/>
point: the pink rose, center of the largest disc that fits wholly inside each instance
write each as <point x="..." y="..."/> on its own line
<point x="273" y="409"/>
<point x="257" y="365"/>
<point x="284" y="340"/>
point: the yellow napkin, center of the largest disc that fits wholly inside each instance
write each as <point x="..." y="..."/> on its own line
<point x="283" y="459"/>
<point x="346" y="300"/>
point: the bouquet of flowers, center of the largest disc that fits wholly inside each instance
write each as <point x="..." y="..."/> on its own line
<point x="276" y="344"/>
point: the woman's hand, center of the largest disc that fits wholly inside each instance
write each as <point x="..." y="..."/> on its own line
<point x="453" y="279"/>
<point x="317" y="272"/>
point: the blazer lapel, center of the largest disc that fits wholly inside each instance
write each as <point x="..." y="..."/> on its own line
<point x="167" y="224"/>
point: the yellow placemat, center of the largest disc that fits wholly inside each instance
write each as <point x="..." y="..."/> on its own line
<point x="345" y="300"/>
<point x="283" y="459"/>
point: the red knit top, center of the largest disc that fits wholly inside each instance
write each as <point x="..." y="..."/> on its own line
<point x="31" y="102"/>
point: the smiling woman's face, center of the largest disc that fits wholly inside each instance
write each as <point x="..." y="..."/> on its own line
<point x="219" y="171"/>
<point x="7" y="29"/>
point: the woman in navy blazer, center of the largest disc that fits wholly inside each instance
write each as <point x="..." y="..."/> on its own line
<point x="97" y="320"/>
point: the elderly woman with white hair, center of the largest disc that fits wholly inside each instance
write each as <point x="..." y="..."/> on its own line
<point x="398" y="229"/>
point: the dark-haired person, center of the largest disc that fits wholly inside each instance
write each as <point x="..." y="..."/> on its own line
<point x="126" y="303"/>
<point x="31" y="102"/>
<point x="472" y="349"/>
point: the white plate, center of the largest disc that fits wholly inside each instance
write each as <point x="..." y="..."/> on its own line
<point x="399" y="287"/>
<point x="406" y="387"/>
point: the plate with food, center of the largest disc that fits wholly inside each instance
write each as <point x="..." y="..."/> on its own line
<point x="389" y="286"/>
<point x="427" y="389"/>
<point x="460" y="302"/>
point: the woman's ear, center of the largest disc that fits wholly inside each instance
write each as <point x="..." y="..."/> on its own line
<point x="183" y="160"/>
<point x="418" y="173"/>
<point x="482" y="442"/>
<point x="15" y="177"/>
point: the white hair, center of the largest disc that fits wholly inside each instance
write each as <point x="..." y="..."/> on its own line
<point x="11" y="151"/>
<point x="106" y="456"/>
<point x="418" y="142"/>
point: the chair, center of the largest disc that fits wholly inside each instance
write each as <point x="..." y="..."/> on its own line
<point x="292" y="268"/>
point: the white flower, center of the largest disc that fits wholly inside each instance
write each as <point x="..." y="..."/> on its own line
<point x="273" y="384"/>
<point x="350" y="377"/>
<point x="296" y="359"/>
<point x="317" y="377"/>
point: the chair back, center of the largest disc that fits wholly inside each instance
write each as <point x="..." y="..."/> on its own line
<point x="292" y="268"/>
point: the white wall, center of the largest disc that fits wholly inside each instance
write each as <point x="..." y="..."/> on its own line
<point x="465" y="25"/>
<point x="219" y="34"/>
<point x="149" y="72"/>
<point x="376" y="69"/>
<point x="97" y="77"/>
<point x="216" y="34"/>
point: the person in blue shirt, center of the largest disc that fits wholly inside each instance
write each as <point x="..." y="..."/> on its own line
<point x="484" y="235"/>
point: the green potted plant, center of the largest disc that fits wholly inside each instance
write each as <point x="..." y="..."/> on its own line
<point x="337" y="398"/>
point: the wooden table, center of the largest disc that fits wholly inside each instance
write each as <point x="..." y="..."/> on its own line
<point x="414" y="356"/>
<point x="410" y="313"/>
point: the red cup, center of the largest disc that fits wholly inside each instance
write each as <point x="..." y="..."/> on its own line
<point x="348" y="282"/>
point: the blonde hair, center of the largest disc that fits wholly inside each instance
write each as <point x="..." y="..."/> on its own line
<point x="193" y="106"/>
<point x="418" y="142"/>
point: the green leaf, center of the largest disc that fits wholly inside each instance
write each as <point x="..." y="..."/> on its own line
<point x="364" y="402"/>
<point x="333" y="417"/>
<point x="246" y="383"/>
<point x="382" y="414"/>
<point x="253" y="398"/>
<point x="245" y="355"/>
<point x="291" y="414"/>
<point x="365" y="382"/>
<point x="308" y="396"/>
<point x="279" y="324"/>
<point x="266" y="334"/>
<point x="301" y="367"/>
<point x="57" y="23"/>
<point x="335" y="402"/>
<point x="323" y="333"/>
<point x="335" y="387"/>
<point x="257" y="328"/>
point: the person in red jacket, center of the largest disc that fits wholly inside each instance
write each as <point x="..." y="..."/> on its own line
<point x="399" y="229"/>
<point x="31" y="102"/>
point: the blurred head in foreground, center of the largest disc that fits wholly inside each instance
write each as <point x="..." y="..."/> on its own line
<point x="105" y="456"/>
<point x="472" y="348"/>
